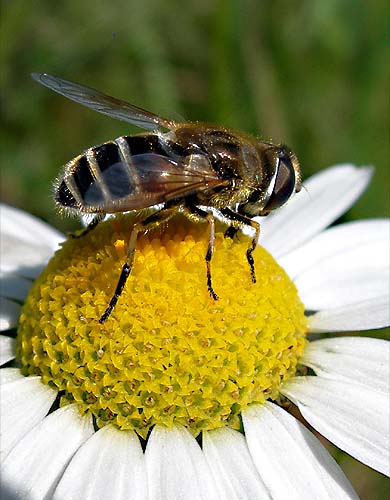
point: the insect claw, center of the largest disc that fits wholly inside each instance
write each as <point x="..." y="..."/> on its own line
<point x="105" y="315"/>
<point x="251" y="263"/>
<point x="213" y="295"/>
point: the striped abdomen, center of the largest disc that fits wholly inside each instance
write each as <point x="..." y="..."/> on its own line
<point x="103" y="177"/>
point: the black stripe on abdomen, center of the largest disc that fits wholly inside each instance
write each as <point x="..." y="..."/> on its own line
<point x="76" y="182"/>
<point x="153" y="143"/>
<point x="82" y="175"/>
<point x="64" y="197"/>
<point x="106" y="155"/>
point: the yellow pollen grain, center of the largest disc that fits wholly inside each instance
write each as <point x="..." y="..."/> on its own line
<point x="168" y="353"/>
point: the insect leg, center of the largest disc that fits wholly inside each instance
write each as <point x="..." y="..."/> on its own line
<point x="198" y="215"/>
<point x="154" y="220"/>
<point x="247" y="221"/>
<point x="94" y="222"/>
<point x="231" y="231"/>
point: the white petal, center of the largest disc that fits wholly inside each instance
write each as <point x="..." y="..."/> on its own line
<point x="352" y="416"/>
<point x="24" y="259"/>
<point x="234" y="472"/>
<point x="7" y="349"/>
<point x="110" y="464"/>
<point x="9" y="313"/>
<point x="357" y="274"/>
<point x="14" y="287"/>
<point x="26" y="243"/>
<point x="365" y="315"/>
<point x="34" y="466"/>
<point x="336" y="240"/>
<point x="10" y="375"/>
<point x="25" y="227"/>
<point x="352" y="359"/>
<point x="292" y="462"/>
<point x="24" y="402"/>
<point x="177" y="467"/>
<point x="325" y="197"/>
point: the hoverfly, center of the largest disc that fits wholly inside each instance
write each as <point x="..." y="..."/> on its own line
<point x="192" y="168"/>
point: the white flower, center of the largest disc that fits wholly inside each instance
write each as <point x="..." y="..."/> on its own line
<point x="342" y="275"/>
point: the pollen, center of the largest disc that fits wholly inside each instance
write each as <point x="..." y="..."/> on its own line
<point x="168" y="353"/>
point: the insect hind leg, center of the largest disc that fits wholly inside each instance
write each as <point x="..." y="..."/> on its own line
<point x="94" y="222"/>
<point x="198" y="215"/>
<point x="152" y="221"/>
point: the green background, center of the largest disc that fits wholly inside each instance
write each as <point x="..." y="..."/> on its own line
<point x="313" y="74"/>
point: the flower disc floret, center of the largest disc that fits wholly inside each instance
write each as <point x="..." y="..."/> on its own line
<point x="168" y="353"/>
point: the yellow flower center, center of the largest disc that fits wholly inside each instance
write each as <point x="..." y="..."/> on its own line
<point x="168" y="353"/>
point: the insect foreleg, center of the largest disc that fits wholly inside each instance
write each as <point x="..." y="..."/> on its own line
<point x="151" y="222"/>
<point x="198" y="215"/>
<point x="247" y="221"/>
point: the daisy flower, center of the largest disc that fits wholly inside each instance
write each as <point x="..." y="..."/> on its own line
<point x="177" y="395"/>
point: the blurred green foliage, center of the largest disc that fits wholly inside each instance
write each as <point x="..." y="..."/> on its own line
<point x="312" y="73"/>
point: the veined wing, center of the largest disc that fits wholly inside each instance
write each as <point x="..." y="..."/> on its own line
<point x="111" y="106"/>
<point x="150" y="179"/>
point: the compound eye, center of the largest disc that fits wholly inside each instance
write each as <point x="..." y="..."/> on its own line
<point x="284" y="185"/>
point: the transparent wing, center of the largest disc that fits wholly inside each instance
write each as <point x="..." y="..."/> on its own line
<point x="103" y="103"/>
<point x="151" y="179"/>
